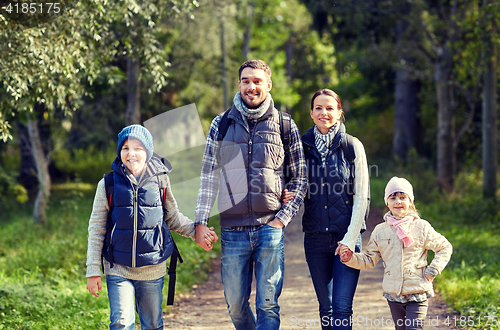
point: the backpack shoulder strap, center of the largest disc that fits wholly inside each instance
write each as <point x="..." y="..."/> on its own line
<point x="176" y="256"/>
<point x="285" y="131"/>
<point x="172" y="276"/>
<point x="162" y="184"/>
<point x="223" y="125"/>
<point x="110" y="187"/>
<point x="348" y="148"/>
<point x="286" y="138"/>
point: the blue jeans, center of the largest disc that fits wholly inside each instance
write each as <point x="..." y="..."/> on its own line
<point x="334" y="282"/>
<point x="241" y="252"/>
<point x="148" y="297"/>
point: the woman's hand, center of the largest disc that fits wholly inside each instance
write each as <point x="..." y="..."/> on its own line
<point x="287" y="196"/>
<point x="344" y="251"/>
<point x="429" y="278"/>
<point x="94" y="285"/>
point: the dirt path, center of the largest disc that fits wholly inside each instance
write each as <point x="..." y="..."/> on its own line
<point x="205" y="308"/>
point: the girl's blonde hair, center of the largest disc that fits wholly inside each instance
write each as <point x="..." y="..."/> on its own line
<point x="411" y="208"/>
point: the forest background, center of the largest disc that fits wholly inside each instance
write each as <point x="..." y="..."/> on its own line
<point x="418" y="82"/>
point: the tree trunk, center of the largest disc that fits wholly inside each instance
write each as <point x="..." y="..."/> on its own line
<point x="225" y="82"/>
<point x="489" y="122"/>
<point x="248" y="32"/>
<point x="406" y="108"/>
<point x="290" y="50"/>
<point x="133" y="112"/>
<point x="446" y="151"/>
<point x="42" y="169"/>
<point x="446" y="136"/>
<point x="406" y="103"/>
<point x="27" y="172"/>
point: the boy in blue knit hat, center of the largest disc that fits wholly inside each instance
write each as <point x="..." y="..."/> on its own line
<point x="135" y="234"/>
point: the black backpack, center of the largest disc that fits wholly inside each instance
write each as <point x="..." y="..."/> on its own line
<point x="109" y="185"/>
<point x="285" y="133"/>
<point x="348" y="148"/>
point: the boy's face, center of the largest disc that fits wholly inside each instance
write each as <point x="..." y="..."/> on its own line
<point x="399" y="204"/>
<point x="254" y="86"/>
<point x="133" y="156"/>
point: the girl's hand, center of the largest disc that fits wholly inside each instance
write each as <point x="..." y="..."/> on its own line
<point x="344" y="251"/>
<point x="429" y="278"/>
<point x="287" y="196"/>
<point x="94" y="285"/>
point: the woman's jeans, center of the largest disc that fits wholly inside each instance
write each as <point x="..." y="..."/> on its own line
<point x="148" y="297"/>
<point x="334" y="282"/>
<point x="241" y="252"/>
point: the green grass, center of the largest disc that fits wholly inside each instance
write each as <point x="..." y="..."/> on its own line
<point x="42" y="267"/>
<point x="471" y="281"/>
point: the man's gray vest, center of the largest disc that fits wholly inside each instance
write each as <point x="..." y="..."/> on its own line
<point x="252" y="177"/>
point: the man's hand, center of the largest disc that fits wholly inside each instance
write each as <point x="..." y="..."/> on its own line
<point x="205" y="237"/>
<point x="94" y="285"/>
<point x="276" y="223"/>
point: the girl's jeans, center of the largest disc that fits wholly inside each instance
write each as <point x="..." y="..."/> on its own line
<point x="241" y="252"/>
<point x="334" y="282"/>
<point x="148" y="297"/>
<point x="410" y="315"/>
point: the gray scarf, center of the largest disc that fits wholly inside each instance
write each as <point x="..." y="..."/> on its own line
<point x="251" y="113"/>
<point x="323" y="142"/>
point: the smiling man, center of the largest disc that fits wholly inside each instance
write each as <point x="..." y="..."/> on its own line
<point x="250" y="156"/>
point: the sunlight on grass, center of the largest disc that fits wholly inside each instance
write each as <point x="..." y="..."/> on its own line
<point x="42" y="267"/>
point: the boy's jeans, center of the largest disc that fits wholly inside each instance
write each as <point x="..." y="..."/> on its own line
<point x="147" y="295"/>
<point x="241" y="252"/>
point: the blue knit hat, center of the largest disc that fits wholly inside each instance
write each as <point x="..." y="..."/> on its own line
<point x="137" y="132"/>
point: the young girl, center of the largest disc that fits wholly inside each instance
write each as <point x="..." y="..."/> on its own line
<point x="402" y="241"/>
<point x="137" y="236"/>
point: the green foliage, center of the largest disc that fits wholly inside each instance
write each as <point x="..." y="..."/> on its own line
<point x="42" y="268"/>
<point x="375" y="132"/>
<point x="41" y="64"/>
<point x="9" y="187"/>
<point x="470" y="282"/>
<point x="85" y="165"/>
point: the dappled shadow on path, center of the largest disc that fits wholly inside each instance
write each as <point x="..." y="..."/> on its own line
<point x="205" y="308"/>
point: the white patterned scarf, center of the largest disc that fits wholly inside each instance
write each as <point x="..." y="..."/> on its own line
<point x="323" y="142"/>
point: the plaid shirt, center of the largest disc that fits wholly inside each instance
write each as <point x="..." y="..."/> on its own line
<point x="210" y="177"/>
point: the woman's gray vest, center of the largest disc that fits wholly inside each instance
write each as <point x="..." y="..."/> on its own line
<point x="252" y="180"/>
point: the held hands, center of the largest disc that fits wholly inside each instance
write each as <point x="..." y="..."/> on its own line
<point x="94" y="285"/>
<point x="344" y="251"/>
<point x="205" y="237"/>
